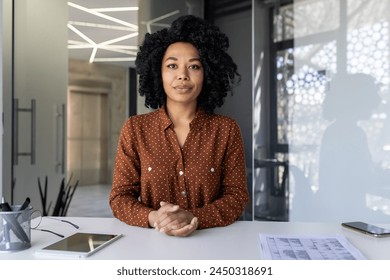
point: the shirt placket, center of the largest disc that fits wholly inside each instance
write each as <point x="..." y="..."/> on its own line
<point x="181" y="193"/>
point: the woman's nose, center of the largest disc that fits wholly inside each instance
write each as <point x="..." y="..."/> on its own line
<point x="182" y="75"/>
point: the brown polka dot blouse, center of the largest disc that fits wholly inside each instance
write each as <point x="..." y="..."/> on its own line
<point x="206" y="176"/>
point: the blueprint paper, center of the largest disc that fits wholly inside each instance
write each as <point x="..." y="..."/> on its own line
<point x="301" y="247"/>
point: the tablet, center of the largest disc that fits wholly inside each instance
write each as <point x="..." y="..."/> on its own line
<point x="79" y="245"/>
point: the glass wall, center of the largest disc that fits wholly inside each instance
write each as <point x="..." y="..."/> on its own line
<point x="330" y="67"/>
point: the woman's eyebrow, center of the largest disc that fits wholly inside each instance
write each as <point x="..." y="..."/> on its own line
<point x="176" y="59"/>
<point x="171" y="58"/>
<point x="195" y="59"/>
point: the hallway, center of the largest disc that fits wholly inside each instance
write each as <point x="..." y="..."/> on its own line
<point x="90" y="201"/>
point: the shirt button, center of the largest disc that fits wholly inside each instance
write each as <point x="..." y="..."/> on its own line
<point x="149" y="168"/>
<point x="183" y="193"/>
<point x="181" y="173"/>
<point x="212" y="169"/>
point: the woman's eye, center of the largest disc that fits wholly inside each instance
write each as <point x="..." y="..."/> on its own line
<point x="172" y="66"/>
<point x="195" y="67"/>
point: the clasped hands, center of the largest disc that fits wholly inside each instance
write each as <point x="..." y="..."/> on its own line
<point x="173" y="220"/>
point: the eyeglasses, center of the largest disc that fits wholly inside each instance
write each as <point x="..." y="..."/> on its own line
<point x="50" y="231"/>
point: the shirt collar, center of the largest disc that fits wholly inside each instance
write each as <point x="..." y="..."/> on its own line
<point x="197" y="122"/>
<point x="164" y="118"/>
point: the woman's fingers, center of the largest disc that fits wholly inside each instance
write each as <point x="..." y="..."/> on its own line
<point x="185" y="230"/>
<point x="172" y="219"/>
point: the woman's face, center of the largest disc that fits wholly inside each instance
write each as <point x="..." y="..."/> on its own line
<point x="182" y="73"/>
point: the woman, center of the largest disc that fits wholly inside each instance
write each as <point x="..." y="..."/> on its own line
<point x="181" y="167"/>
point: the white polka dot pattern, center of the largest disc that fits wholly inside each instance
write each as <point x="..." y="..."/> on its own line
<point x="206" y="176"/>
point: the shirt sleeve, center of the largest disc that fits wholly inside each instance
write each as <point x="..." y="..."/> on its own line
<point x="234" y="194"/>
<point x="126" y="185"/>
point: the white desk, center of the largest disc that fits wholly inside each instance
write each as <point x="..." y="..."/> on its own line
<point x="238" y="241"/>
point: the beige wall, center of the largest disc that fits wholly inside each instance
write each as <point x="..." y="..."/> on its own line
<point x="113" y="80"/>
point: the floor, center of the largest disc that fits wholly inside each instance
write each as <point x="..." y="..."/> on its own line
<point x="90" y="201"/>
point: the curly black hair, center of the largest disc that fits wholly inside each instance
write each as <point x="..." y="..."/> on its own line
<point x="220" y="71"/>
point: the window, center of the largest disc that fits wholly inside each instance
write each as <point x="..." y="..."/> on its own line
<point x="329" y="113"/>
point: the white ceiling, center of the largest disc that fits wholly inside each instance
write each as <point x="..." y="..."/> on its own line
<point x="99" y="33"/>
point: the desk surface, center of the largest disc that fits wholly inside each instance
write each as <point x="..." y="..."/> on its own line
<point x="238" y="241"/>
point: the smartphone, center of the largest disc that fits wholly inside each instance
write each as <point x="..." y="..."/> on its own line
<point x="368" y="229"/>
